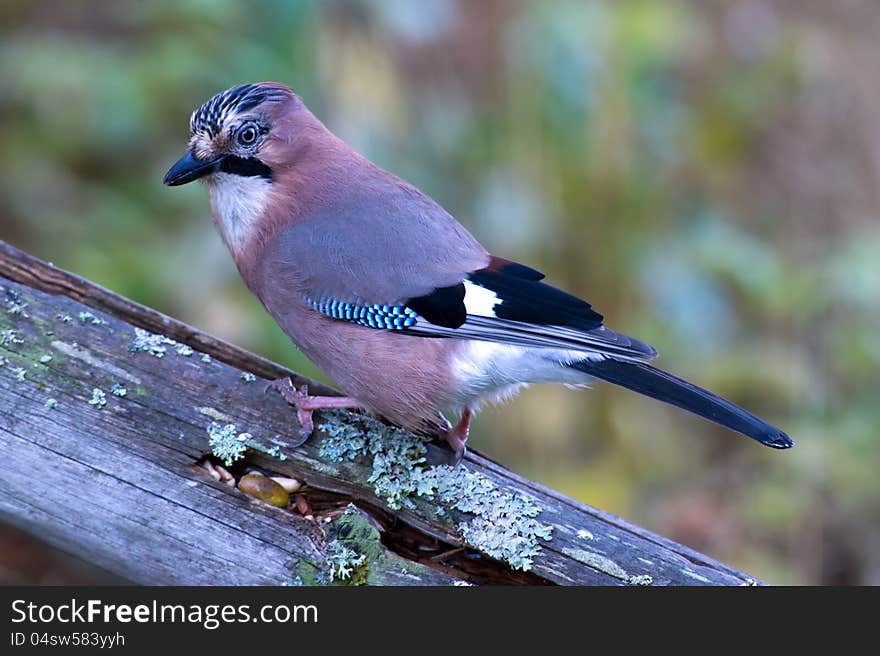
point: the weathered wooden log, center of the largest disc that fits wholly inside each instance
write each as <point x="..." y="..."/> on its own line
<point x="107" y="409"/>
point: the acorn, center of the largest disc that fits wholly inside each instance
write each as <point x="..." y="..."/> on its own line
<point x="265" y="489"/>
<point x="290" y="484"/>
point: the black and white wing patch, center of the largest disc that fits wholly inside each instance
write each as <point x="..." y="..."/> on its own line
<point x="508" y="303"/>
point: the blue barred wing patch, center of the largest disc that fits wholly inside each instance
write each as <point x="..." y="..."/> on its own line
<point x="387" y="317"/>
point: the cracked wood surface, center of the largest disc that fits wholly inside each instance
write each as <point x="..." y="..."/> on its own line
<point x="117" y="484"/>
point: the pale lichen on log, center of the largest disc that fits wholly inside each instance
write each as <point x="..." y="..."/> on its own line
<point x="500" y="524"/>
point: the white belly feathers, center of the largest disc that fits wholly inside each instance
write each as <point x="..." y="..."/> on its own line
<point x="489" y="371"/>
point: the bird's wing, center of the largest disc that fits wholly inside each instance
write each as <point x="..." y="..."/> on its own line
<point x="388" y="257"/>
<point x="508" y="303"/>
<point x="381" y="241"/>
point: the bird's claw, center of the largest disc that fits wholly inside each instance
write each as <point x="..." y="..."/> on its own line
<point x="297" y="398"/>
<point x="307" y="426"/>
<point x="457" y="456"/>
<point x="457" y="437"/>
<point x="306" y="405"/>
<point x="288" y="391"/>
<point x="458" y="448"/>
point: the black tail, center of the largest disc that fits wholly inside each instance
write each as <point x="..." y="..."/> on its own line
<point x="663" y="386"/>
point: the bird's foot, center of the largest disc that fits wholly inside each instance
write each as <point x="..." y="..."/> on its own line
<point x="305" y="405"/>
<point x="457" y="436"/>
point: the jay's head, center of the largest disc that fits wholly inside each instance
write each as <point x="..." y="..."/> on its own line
<point x="237" y="133"/>
<point x="245" y="143"/>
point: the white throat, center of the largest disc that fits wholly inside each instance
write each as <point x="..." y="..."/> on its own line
<point x="237" y="203"/>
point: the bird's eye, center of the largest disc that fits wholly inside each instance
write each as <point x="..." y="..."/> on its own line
<point x="247" y="135"/>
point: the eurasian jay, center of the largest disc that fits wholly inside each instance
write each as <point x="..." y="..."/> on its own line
<point x="386" y="292"/>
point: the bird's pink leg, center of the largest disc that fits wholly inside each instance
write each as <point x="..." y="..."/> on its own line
<point x="457" y="436"/>
<point x="305" y="405"/>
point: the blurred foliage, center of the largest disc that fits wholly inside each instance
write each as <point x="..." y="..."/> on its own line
<point x="705" y="173"/>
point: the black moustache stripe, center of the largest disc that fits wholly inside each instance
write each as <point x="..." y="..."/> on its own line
<point x="247" y="167"/>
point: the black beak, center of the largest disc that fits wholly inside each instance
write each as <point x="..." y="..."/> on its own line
<point x="188" y="168"/>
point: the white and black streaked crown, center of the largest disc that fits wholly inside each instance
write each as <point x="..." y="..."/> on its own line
<point x="211" y="116"/>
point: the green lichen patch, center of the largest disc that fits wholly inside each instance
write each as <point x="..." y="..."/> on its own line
<point x="498" y="523"/>
<point x="351" y="550"/>
<point x="598" y="562"/>
<point x="503" y="524"/>
<point x="355" y="555"/>
<point x="184" y="350"/>
<point x="584" y="534"/>
<point x="17" y="308"/>
<point x="99" y="399"/>
<point x="88" y="317"/>
<point x="607" y="566"/>
<point x="272" y="451"/>
<point x="156" y="345"/>
<point x="226" y="442"/>
<point x="344" y="563"/>
<point x="307" y="573"/>
<point x="398" y="456"/>
<point x="10" y="336"/>
<point x="15" y="305"/>
<point x="147" y="342"/>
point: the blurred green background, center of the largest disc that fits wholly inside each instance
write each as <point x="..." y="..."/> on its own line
<point x="707" y="174"/>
